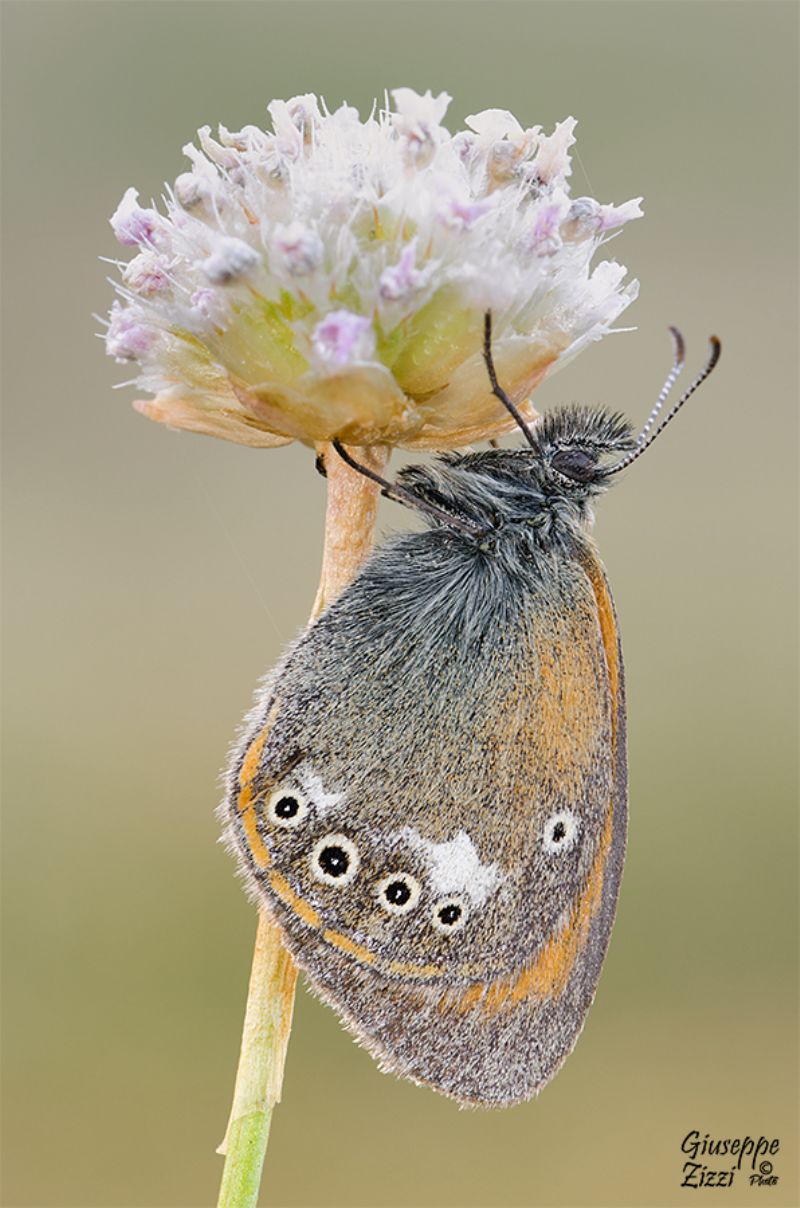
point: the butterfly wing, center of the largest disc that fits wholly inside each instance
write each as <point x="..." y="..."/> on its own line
<point x="431" y="797"/>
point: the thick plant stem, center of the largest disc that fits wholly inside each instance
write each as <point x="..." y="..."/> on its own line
<point x="349" y="527"/>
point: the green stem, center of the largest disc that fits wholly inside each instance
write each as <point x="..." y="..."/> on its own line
<point x="349" y="528"/>
<point x="268" y="1021"/>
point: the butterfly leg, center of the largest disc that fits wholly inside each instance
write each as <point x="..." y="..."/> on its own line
<point x="408" y="498"/>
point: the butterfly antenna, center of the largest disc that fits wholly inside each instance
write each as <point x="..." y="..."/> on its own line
<point x="647" y="437"/>
<point x="678" y="361"/>
<point x="497" y="390"/>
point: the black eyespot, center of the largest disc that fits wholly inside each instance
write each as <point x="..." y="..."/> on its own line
<point x="398" y="893"/>
<point x="560" y="831"/>
<point x="287" y="807"/>
<point x="449" y="914"/>
<point x="334" y="860"/>
<point x="576" y="464"/>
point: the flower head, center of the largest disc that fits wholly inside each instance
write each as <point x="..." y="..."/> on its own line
<point x="328" y="278"/>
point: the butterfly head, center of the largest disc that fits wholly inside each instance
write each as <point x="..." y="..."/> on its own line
<point x="571" y="448"/>
<point x="564" y="467"/>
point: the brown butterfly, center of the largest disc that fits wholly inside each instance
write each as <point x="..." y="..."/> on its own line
<point x="431" y="792"/>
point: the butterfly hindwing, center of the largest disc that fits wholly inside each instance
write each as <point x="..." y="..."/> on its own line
<point x="431" y="798"/>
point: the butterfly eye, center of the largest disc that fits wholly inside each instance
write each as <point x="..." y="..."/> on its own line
<point x="560" y="831"/>
<point x="449" y="914"/>
<point x="575" y="464"/>
<point x="287" y="808"/>
<point x="334" y="860"/>
<point x="398" y="893"/>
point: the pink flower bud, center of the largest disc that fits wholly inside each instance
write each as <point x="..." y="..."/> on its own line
<point x="232" y="260"/>
<point x="130" y="223"/>
<point x="127" y="339"/>
<point x="343" y="337"/>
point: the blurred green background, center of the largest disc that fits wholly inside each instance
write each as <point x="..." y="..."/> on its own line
<point x="150" y="578"/>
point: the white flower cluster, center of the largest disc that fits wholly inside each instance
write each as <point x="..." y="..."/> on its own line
<point x="329" y="278"/>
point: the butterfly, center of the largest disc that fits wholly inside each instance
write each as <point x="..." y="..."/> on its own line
<point x="430" y="795"/>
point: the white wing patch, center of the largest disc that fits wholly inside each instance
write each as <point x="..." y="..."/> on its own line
<point x="324" y="802"/>
<point x="455" y="866"/>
